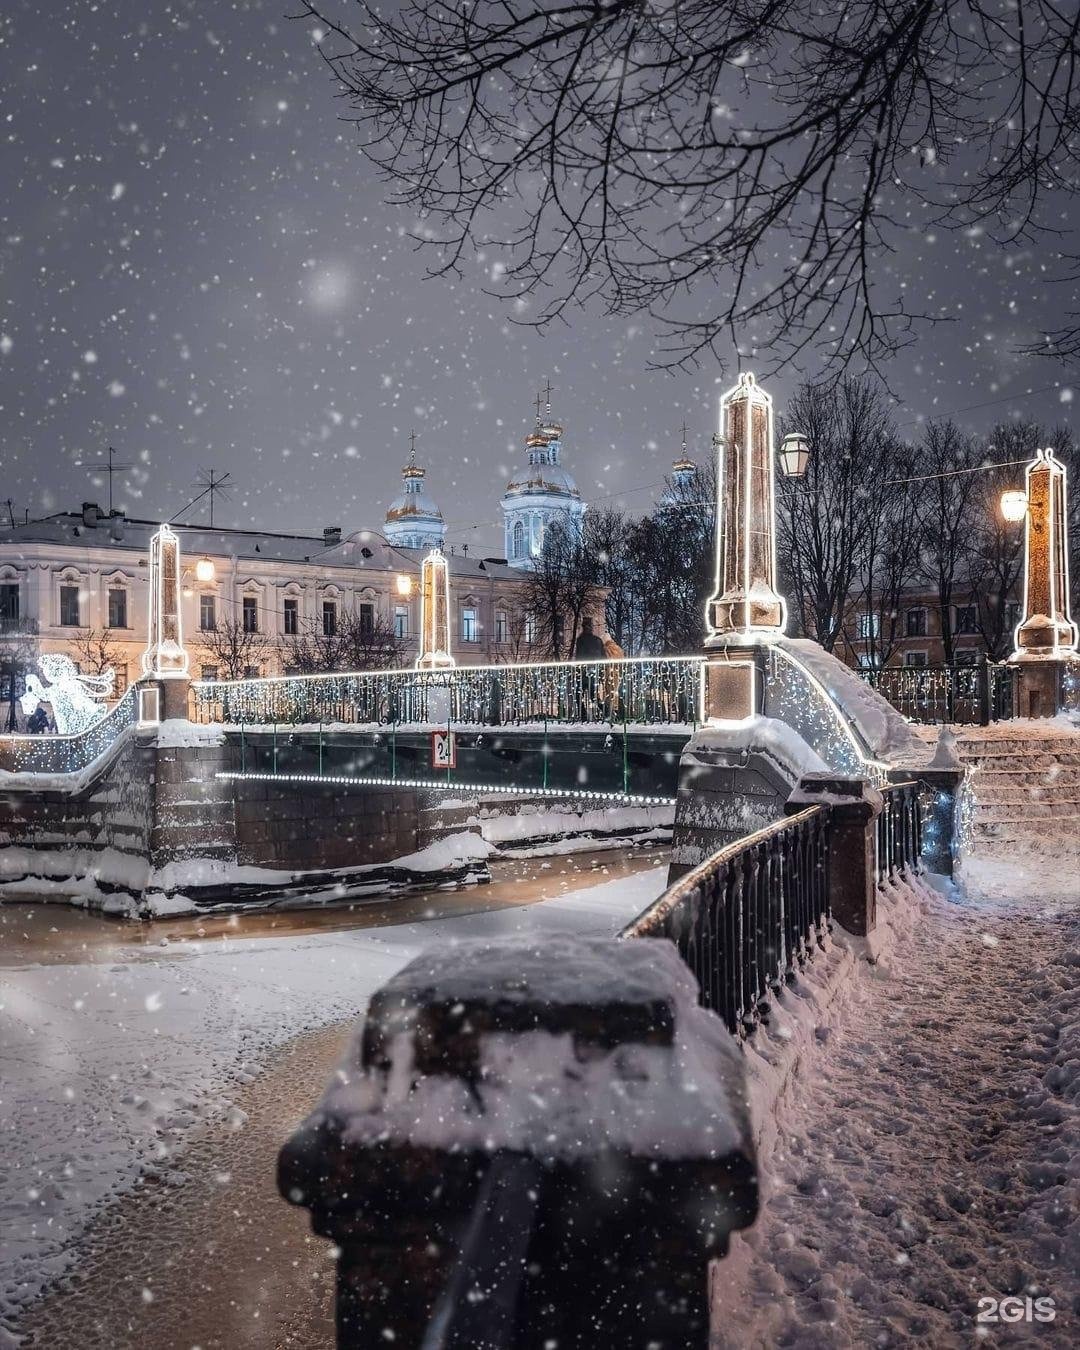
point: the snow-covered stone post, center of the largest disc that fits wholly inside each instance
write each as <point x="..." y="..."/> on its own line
<point x="1045" y="641"/>
<point x="854" y="806"/>
<point x="165" y="659"/>
<point x="534" y="1135"/>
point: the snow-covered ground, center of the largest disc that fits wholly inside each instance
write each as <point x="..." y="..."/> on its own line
<point x="927" y="1154"/>
<point x="106" y="1066"/>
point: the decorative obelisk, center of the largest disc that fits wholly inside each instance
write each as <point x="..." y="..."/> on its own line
<point x="434" y="651"/>
<point x="165" y="658"/>
<point x="1045" y="640"/>
<point x="745" y="608"/>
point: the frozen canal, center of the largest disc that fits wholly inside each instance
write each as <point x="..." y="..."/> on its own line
<point x="174" y="1058"/>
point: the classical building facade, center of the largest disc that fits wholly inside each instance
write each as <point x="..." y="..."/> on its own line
<point x="77" y="582"/>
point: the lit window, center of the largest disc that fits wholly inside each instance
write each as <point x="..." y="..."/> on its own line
<point x="251" y="614"/>
<point x="530" y="628"/>
<point x="207" y="614"/>
<point x="869" y="626"/>
<point x="69" y="606"/>
<point x="291" y="618"/>
<point x="118" y="609"/>
<point x="329" y="618"/>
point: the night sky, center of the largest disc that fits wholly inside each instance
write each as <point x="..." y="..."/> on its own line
<point x="198" y="268"/>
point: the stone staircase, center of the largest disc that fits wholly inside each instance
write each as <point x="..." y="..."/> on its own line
<point x="1025" y="790"/>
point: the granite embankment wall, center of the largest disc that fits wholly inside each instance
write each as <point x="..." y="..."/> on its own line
<point x="156" y="829"/>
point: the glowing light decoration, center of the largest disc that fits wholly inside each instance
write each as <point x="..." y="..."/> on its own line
<point x="404" y="584"/>
<point x="434" y="613"/>
<point x="204" y="569"/>
<point x="1014" y="505"/>
<point x="28" y="755"/>
<point x="74" y="698"/>
<point x="1046" y="630"/>
<point x="165" y="657"/>
<point x="745" y="606"/>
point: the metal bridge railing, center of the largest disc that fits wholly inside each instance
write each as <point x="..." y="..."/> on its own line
<point x="641" y="691"/>
<point x="899" y="830"/>
<point x="969" y="695"/>
<point x="747" y="915"/>
<point x="69" y="754"/>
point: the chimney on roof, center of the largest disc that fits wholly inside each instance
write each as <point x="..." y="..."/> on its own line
<point x="331" y="535"/>
<point x="117" y="521"/>
<point x="91" y="513"/>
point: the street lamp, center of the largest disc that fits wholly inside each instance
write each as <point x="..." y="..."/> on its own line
<point x="1014" y="505"/>
<point x="794" y="455"/>
<point x="404" y="584"/>
<point x="204" y="569"/>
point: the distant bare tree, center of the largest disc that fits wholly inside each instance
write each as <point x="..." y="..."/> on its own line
<point x="355" y="641"/>
<point x="94" y="651"/>
<point x="232" y="650"/>
<point x="945" y="505"/>
<point x="561" y="589"/>
<point x="739" y="171"/>
<point x="827" y="523"/>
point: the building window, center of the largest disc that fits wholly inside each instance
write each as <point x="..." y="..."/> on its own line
<point x="9" y="604"/>
<point x="69" y="606"/>
<point x="1012" y="614"/>
<point x="530" y="628"/>
<point x="914" y="658"/>
<point x="120" y="683"/>
<point x="500" y="626"/>
<point x="519" y="540"/>
<point x="367" y="619"/>
<point x="252" y="672"/>
<point x="207" y="613"/>
<point x="470" y="625"/>
<point x="967" y="656"/>
<point x="291" y="617"/>
<point x="869" y="626"/>
<point x="965" y="619"/>
<point x="208" y="672"/>
<point x="251" y="615"/>
<point x="915" y="623"/>
<point x="401" y="621"/>
<point x="118" y="608"/>
<point x="329" y="618"/>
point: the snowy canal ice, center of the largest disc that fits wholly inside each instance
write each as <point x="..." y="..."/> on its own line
<point x="123" y="1046"/>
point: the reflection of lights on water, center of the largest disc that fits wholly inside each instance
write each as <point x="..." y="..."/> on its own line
<point x="329" y="286"/>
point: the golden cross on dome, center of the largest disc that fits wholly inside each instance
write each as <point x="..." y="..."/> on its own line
<point x="547" y="396"/>
<point x="412" y="447"/>
<point x="539" y="398"/>
<point x="684" y="438"/>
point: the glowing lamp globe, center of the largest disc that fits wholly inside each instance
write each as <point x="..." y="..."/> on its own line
<point x="1014" y="505"/>
<point x="404" y="584"/>
<point x="794" y="455"/>
<point x="204" y="569"/>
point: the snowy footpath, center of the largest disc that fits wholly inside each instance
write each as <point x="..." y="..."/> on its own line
<point x="106" y="1068"/>
<point x="926" y="1168"/>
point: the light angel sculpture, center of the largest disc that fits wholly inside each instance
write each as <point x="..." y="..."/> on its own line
<point x="75" y="699"/>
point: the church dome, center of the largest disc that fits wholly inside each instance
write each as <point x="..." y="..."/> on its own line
<point x="538" y="494"/>
<point x="414" y="519"/>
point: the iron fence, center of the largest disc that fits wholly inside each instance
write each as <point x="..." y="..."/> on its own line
<point x="971" y="695"/>
<point x="749" y="914"/>
<point x="640" y="691"/>
<point x="68" y="754"/>
<point x="899" y="830"/>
